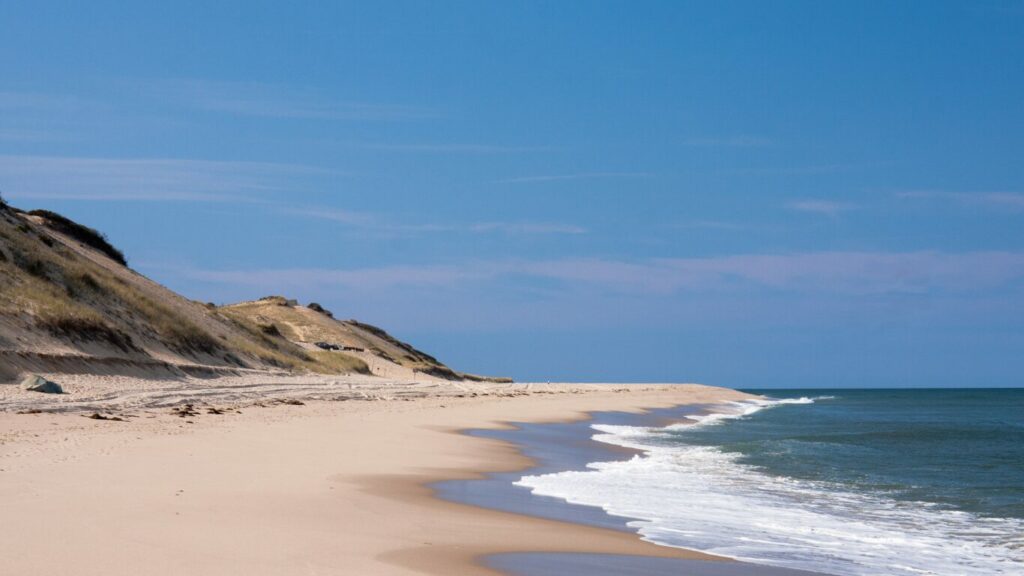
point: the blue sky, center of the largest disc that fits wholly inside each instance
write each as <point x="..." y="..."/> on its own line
<point x="748" y="194"/>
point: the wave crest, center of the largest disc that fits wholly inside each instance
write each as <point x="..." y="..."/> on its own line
<point x="703" y="498"/>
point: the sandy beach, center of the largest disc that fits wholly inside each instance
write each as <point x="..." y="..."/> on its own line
<point x="322" y="487"/>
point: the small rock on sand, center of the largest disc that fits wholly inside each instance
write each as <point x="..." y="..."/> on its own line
<point x="34" y="383"/>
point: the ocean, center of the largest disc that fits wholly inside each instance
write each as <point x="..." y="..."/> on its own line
<point x="845" y="482"/>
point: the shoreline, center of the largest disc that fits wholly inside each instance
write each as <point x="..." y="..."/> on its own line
<point x="552" y="447"/>
<point x="328" y="487"/>
<point x="614" y="541"/>
<point x="557" y="447"/>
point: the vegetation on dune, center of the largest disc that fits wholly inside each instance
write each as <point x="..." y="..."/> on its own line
<point x="278" y="301"/>
<point x="318" y="308"/>
<point x="272" y="349"/>
<point x="278" y="350"/>
<point x="75" y="300"/>
<point x="329" y="362"/>
<point x="88" y="236"/>
<point x="293" y="323"/>
<point x="410" y="357"/>
<point x="51" y="290"/>
<point x="477" y="378"/>
<point x="137" y="309"/>
<point x="84" y="325"/>
<point x="272" y="319"/>
<point x="46" y="293"/>
<point x="270" y="329"/>
<point x="188" y="338"/>
<point x="266" y="355"/>
<point x="414" y="354"/>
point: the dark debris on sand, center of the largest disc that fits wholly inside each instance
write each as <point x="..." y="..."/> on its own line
<point x="185" y="410"/>
<point x="98" y="416"/>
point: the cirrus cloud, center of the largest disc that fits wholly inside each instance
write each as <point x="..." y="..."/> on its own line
<point x="841" y="273"/>
<point x="822" y="207"/>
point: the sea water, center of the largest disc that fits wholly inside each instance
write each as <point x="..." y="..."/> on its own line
<point x="850" y="482"/>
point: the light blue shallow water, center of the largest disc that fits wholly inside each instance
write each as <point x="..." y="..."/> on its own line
<point x="858" y="482"/>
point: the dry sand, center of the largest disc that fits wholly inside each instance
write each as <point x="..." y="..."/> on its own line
<point x="327" y="487"/>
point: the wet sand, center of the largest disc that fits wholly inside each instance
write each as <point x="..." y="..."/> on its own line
<point x="613" y="565"/>
<point x="565" y="446"/>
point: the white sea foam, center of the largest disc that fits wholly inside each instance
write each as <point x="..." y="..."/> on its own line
<point x="702" y="498"/>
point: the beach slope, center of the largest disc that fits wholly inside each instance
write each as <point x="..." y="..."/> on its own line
<point x="319" y="488"/>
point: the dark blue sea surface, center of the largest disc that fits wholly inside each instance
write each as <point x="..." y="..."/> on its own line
<point x="849" y="482"/>
<point x="962" y="449"/>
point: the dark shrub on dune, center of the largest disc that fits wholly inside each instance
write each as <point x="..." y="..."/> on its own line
<point x="270" y="330"/>
<point x="318" y="308"/>
<point x="88" y="236"/>
<point x="278" y="301"/>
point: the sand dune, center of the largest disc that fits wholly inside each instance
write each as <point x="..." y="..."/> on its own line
<point x="69" y="304"/>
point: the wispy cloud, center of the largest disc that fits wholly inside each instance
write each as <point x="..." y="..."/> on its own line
<point x="276" y="101"/>
<point x="578" y="176"/>
<point x="169" y="180"/>
<point x="33" y="117"/>
<point x="311" y="278"/>
<point x="736" y="141"/>
<point x="30" y="135"/>
<point x="527" y="228"/>
<point x="36" y="101"/>
<point x="805" y="170"/>
<point x="445" y="148"/>
<point x="710" y="225"/>
<point x="841" y="273"/>
<point x="146" y="179"/>
<point x="1014" y="200"/>
<point x="823" y="207"/>
<point x="383" y="225"/>
<point x="348" y="217"/>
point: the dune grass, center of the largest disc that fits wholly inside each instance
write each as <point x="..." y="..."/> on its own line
<point x="47" y="285"/>
<point x="332" y="362"/>
<point x="58" y="313"/>
<point x="88" y="236"/>
<point x="71" y="298"/>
